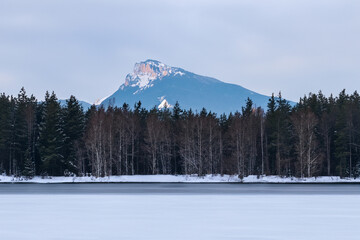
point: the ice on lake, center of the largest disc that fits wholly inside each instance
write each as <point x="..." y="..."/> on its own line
<point x="152" y="211"/>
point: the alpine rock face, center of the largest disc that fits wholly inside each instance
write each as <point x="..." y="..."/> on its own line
<point x="158" y="85"/>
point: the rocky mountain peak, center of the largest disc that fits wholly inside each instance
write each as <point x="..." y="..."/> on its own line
<point x="145" y="73"/>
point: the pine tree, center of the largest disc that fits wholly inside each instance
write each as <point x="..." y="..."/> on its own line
<point x="343" y="127"/>
<point x="29" y="165"/>
<point x="278" y="134"/>
<point x="224" y="126"/>
<point x="284" y="146"/>
<point x="6" y="108"/>
<point x="271" y="134"/>
<point x="24" y="131"/>
<point x="73" y="117"/>
<point x="176" y="124"/>
<point x="248" y="109"/>
<point x="51" y="139"/>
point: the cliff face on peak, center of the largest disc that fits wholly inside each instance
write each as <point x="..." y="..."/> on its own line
<point x="157" y="85"/>
<point x="151" y="69"/>
<point x="146" y="72"/>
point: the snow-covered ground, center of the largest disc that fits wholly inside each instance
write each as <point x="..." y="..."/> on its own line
<point x="179" y="179"/>
<point x="190" y="217"/>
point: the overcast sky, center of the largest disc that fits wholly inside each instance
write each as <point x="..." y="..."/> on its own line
<point x="86" y="48"/>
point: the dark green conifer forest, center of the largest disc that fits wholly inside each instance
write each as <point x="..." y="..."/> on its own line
<point x="319" y="136"/>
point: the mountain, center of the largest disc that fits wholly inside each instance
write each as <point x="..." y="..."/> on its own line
<point x="158" y="85"/>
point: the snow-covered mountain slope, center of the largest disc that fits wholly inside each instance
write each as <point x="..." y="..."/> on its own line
<point x="158" y="85"/>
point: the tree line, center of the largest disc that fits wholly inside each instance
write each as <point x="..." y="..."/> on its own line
<point x="318" y="136"/>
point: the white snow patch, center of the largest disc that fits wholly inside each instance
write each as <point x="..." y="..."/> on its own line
<point x="179" y="179"/>
<point x="164" y="104"/>
<point x="144" y="80"/>
<point x="99" y="101"/>
<point x="179" y="73"/>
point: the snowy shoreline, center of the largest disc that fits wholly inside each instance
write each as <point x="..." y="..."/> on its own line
<point x="178" y="179"/>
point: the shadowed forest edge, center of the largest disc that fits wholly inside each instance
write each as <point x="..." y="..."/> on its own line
<point x="320" y="136"/>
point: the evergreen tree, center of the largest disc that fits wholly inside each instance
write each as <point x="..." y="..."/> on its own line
<point x="24" y="132"/>
<point x="271" y="134"/>
<point x="29" y="165"/>
<point x="284" y="136"/>
<point x="248" y="109"/>
<point x="5" y="133"/>
<point x="279" y="135"/>
<point x="73" y="117"/>
<point x="342" y="134"/>
<point x="176" y="125"/>
<point x="51" y="139"/>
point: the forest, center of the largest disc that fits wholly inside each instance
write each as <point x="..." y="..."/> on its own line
<point x="319" y="136"/>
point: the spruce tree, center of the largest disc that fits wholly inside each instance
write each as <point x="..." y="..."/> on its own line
<point x="176" y="125"/>
<point x="247" y="110"/>
<point x="73" y="118"/>
<point x="342" y="141"/>
<point x="5" y="133"/>
<point x="271" y="133"/>
<point x="24" y="131"/>
<point x="51" y="139"/>
<point x="29" y="165"/>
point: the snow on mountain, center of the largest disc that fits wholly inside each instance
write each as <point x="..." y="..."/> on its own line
<point x="146" y="73"/>
<point x="151" y="81"/>
<point x="99" y="101"/>
<point x="164" y="104"/>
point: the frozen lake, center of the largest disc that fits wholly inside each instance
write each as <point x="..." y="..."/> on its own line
<point x="179" y="211"/>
